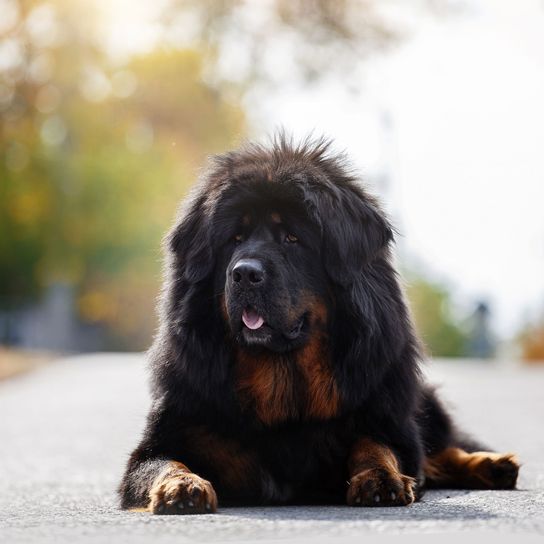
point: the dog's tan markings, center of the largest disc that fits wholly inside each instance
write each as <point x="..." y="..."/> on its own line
<point x="267" y="382"/>
<point x="176" y="490"/>
<point x="246" y="220"/>
<point x="308" y="303"/>
<point x="322" y="399"/>
<point x="376" y="479"/>
<point x="455" y="468"/>
<point x="236" y="467"/>
<point x="313" y="360"/>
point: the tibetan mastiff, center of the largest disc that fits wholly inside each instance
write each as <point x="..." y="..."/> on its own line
<point x="285" y="369"/>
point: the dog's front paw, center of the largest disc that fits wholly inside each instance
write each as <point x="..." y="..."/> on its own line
<point x="181" y="492"/>
<point x="379" y="487"/>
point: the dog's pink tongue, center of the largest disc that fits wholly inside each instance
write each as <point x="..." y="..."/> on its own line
<point x="252" y="320"/>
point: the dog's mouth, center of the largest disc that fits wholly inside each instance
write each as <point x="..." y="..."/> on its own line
<point x="255" y="325"/>
<point x="251" y="319"/>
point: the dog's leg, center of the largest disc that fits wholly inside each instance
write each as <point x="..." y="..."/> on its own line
<point x="458" y="469"/>
<point x="455" y="460"/>
<point x="166" y="487"/>
<point x="375" y="477"/>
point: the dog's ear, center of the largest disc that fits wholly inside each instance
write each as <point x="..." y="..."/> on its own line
<point x="189" y="241"/>
<point x="355" y="231"/>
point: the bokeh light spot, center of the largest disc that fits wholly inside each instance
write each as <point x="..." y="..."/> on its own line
<point x="53" y="131"/>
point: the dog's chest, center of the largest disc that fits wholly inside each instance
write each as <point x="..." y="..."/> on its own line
<point x="288" y="388"/>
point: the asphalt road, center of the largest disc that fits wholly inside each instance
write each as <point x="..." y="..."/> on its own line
<point x="67" y="429"/>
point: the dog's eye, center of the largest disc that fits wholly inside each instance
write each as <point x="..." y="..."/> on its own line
<point x="239" y="238"/>
<point x="291" y="239"/>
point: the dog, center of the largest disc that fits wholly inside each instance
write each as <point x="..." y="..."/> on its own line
<point x="286" y="367"/>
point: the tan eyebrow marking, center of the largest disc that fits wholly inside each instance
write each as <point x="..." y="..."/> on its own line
<point x="276" y="218"/>
<point x="245" y="220"/>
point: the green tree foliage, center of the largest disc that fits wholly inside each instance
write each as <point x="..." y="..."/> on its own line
<point x="94" y="156"/>
<point x="94" y="159"/>
<point x="435" y="320"/>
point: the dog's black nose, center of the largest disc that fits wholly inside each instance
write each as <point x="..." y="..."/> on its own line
<point x="248" y="272"/>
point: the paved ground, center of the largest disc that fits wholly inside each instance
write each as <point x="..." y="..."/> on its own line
<point x="66" y="430"/>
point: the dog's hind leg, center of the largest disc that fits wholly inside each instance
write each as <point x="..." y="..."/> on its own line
<point x="456" y="461"/>
<point x="455" y="468"/>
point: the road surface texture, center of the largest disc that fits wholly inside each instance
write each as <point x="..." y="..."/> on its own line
<point x="66" y="431"/>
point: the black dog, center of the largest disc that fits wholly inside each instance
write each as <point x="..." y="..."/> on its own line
<point x="285" y="369"/>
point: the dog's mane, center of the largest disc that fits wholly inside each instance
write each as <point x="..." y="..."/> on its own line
<point x="373" y="346"/>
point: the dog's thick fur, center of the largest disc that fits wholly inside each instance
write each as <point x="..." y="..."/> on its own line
<point x="324" y="403"/>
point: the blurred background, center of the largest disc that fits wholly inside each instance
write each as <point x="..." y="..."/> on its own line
<point x="108" y="108"/>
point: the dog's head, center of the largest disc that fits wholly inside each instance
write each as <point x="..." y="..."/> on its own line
<point x="275" y="233"/>
<point x="269" y="267"/>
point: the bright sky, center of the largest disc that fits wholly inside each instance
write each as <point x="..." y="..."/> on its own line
<point x="464" y="150"/>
